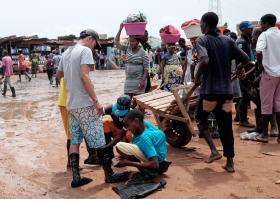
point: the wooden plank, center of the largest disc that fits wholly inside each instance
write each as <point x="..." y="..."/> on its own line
<point x="181" y="87"/>
<point x="156" y="96"/>
<point x="157" y="119"/>
<point x="184" y="109"/>
<point x="194" y="97"/>
<point x="161" y="101"/>
<point x="163" y="109"/>
<point x="147" y="94"/>
<point x="162" y="106"/>
<point x="142" y="105"/>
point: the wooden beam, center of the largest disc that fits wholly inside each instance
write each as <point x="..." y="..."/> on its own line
<point x="156" y="96"/>
<point x="172" y="117"/>
<point x="147" y="94"/>
<point x="161" y="101"/>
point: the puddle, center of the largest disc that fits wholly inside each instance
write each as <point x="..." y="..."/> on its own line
<point x="17" y="110"/>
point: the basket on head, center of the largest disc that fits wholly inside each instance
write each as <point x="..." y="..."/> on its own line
<point x="192" y="28"/>
<point x="136" y="28"/>
<point x="170" y="38"/>
<point x="169" y="34"/>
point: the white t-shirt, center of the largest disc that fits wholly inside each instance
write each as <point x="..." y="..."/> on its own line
<point x="70" y="64"/>
<point x="269" y="45"/>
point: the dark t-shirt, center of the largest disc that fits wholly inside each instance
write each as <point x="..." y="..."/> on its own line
<point x="220" y="50"/>
<point x="244" y="43"/>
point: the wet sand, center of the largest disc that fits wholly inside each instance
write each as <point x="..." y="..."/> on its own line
<point x="33" y="154"/>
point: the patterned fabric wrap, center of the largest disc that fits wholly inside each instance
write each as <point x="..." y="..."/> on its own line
<point x="172" y="76"/>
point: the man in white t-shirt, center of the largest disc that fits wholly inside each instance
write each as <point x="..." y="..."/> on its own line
<point x="268" y="55"/>
<point x="83" y="107"/>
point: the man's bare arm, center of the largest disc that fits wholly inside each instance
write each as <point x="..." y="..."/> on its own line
<point x="59" y="75"/>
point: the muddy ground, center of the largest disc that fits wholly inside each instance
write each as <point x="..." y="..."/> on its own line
<point x="33" y="155"/>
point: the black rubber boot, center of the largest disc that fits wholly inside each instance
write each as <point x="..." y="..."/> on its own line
<point x="163" y="166"/>
<point x="77" y="179"/>
<point x="108" y="138"/>
<point x="68" y="158"/>
<point x="4" y="91"/>
<point x="13" y="91"/>
<point x="110" y="175"/>
<point x="92" y="156"/>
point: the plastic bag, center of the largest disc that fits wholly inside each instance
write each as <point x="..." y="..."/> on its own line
<point x="191" y="22"/>
<point x="169" y="29"/>
<point x="248" y="136"/>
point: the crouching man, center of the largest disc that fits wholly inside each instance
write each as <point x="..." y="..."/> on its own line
<point x="112" y="126"/>
<point x="147" y="152"/>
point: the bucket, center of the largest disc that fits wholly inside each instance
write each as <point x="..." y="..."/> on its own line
<point x="137" y="28"/>
<point x="170" y="38"/>
<point x="192" y="31"/>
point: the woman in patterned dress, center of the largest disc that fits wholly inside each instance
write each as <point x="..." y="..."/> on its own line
<point x="171" y="69"/>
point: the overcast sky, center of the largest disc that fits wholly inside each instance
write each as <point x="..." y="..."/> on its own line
<point x="52" y="18"/>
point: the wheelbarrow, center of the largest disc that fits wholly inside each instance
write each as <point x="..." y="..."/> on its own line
<point x="171" y="112"/>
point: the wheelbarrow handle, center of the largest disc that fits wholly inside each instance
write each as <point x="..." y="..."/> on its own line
<point x="190" y="92"/>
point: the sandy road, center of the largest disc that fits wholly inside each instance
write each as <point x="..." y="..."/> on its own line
<point x="33" y="156"/>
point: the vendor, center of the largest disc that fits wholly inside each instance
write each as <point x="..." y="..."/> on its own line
<point x="136" y="69"/>
<point x="171" y="69"/>
<point x="147" y="152"/>
<point x="112" y="125"/>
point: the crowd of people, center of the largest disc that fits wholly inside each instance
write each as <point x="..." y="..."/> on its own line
<point x="227" y="69"/>
<point x="216" y="61"/>
<point x="29" y="66"/>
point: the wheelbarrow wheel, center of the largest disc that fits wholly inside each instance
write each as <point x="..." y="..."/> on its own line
<point x="177" y="133"/>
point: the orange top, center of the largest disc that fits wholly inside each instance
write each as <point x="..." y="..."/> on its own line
<point x="21" y="59"/>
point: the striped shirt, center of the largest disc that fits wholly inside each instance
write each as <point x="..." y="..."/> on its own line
<point x="134" y="69"/>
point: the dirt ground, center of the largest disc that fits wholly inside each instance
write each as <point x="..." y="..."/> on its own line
<point x="33" y="154"/>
